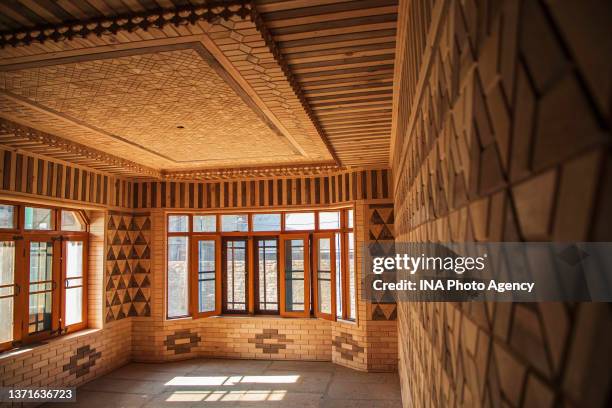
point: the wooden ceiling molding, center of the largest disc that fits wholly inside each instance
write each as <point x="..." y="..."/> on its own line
<point x="306" y="85"/>
<point x="38" y="30"/>
<point x="24" y="138"/>
<point x="253" y="172"/>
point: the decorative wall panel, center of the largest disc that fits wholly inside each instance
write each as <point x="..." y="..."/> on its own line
<point x="304" y="191"/>
<point x="128" y="265"/>
<point x="50" y="179"/>
<point x="505" y="137"/>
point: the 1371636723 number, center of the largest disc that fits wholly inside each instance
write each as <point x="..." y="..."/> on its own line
<point x="37" y="394"/>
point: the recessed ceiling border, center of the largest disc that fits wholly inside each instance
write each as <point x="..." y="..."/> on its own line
<point x="198" y="46"/>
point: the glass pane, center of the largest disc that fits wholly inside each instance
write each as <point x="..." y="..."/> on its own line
<point x="351" y="271"/>
<point x="299" y="221"/>
<point x="7" y="262"/>
<point x="206" y="276"/>
<point x="350" y="218"/>
<point x="338" y="243"/>
<point x="6" y="319"/>
<point x="205" y="223"/>
<point x="294" y="275"/>
<point x="38" y="218"/>
<point x="7" y="216"/>
<point x="41" y="268"/>
<point x="267" y="260"/>
<point x="7" y="274"/>
<point x="234" y="222"/>
<point x="71" y="222"/>
<point x="178" y="295"/>
<point x="324" y="275"/>
<point x="266" y="222"/>
<point x="178" y="223"/>
<point x="74" y="305"/>
<point x="329" y="220"/>
<point x="74" y="253"/>
<point x="74" y="291"/>
<point x="236" y="276"/>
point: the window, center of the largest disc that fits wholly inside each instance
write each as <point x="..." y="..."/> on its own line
<point x="352" y="291"/>
<point x="325" y="277"/>
<point x="329" y="220"/>
<point x="235" y="223"/>
<point x="178" y="278"/>
<point x="72" y="221"/>
<point x="204" y="223"/>
<point x="267" y="268"/>
<point x="235" y="270"/>
<point x="207" y="276"/>
<point x="299" y="221"/>
<point x="294" y="264"/>
<point x="7" y="216"/>
<point x="295" y="288"/>
<point x="43" y="280"/>
<point x="38" y="218"/>
<point x="266" y="222"/>
<point x="8" y="290"/>
<point x="178" y="223"/>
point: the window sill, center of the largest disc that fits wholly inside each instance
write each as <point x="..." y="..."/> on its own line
<point x="246" y="316"/>
<point x="48" y="342"/>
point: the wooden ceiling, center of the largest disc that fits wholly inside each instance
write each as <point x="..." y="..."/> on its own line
<point x="325" y="62"/>
<point x="341" y="53"/>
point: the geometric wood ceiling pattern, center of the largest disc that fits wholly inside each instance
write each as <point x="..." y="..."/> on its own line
<point x="169" y="109"/>
<point x="290" y="84"/>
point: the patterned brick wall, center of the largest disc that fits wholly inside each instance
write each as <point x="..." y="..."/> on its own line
<point x="128" y="265"/>
<point x="68" y="361"/>
<point x="371" y="343"/>
<point x="502" y="131"/>
<point x="233" y="337"/>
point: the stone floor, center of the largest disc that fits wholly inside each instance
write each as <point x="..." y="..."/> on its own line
<point x="239" y="383"/>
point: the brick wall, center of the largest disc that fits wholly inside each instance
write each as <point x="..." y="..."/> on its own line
<point x="368" y="344"/>
<point x="501" y="133"/>
<point x="68" y="361"/>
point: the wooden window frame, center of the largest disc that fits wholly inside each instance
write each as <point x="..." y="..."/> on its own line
<point x="63" y="279"/>
<point x="16" y="218"/>
<point x="257" y="272"/>
<point x="252" y="268"/>
<point x="307" y="271"/>
<point x="18" y="288"/>
<point x="22" y="238"/>
<point x="248" y="294"/>
<point x="315" y="273"/>
<point x="194" y="286"/>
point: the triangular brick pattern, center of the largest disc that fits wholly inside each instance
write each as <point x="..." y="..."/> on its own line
<point x="380" y="229"/>
<point x="510" y="141"/>
<point x="128" y="265"/>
